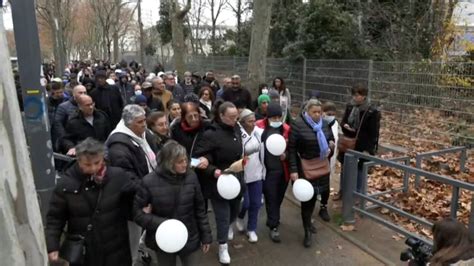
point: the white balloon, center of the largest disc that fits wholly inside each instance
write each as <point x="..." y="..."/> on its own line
<point x="228" y="186"/>
<point x="276" y="144"/>
<point x="171" y="236"/>
<point x="303" y="190"/>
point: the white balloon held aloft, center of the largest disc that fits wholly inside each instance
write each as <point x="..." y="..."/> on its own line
<point x="303" y="190"/>
<point x="171" y="236"/>
<point x="228" y="186"/>
<point x="276" y="144"/>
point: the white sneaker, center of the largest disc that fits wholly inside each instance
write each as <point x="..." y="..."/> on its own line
<point x="230" y="235"/>
<point x="224" y="256"/>
<point x="253" y="238"/>
<point x="240" y="225"/>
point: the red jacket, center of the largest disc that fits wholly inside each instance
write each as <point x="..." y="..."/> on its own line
<point x="263" y="123"/>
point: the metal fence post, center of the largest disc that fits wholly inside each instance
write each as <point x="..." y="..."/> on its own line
<point x="454" y="202"/>
<point x="462" y="160"/>
<point x="406" y="177"/>
<point x="418" y="165"/>
<point x="304" y="79"/>
<point x="369" y="79"/>
<point x="348" y="187"/>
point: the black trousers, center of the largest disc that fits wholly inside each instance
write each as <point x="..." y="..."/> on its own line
<point x="307" y="207"/>
<point x="274" y="188"/>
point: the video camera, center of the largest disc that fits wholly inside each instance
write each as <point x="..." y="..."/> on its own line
<point x="418" y="252"/>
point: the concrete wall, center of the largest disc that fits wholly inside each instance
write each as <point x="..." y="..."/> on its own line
<point x="21" y="229"/>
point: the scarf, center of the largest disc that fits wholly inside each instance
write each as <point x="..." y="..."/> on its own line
<point x="140" y="141"/>
<point x="208" y="104"/>
<point x="186" y="128"/>
<point x="318" y="129"/>
<point x="354" y="117"/>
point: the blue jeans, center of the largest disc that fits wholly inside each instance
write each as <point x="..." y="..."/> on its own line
<point x="252" y="203"/>
<point x="359" y="180"/>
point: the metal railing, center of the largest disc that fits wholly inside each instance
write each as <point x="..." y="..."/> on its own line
<point x="349" y="208"/>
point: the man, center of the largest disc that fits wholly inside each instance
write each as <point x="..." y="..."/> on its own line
<point x="211" y="80"/>
<point x="125" y="88"/>
<point x="227" y="84"/>
<point x="56" y="97"/>
<point x="94" y="201"/>
<point x="107" y="98"/>
<point x="132" y="148"/>
<point x="65" y="110"/>
<point x="177" y="91"/>
<point x="237" y="94"/>
<point x="159" y="92"/>
<point x="187" y="84"/>
<point x="87" y="122"/>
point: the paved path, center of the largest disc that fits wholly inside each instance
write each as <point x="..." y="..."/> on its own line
<point x="328" y="247"/>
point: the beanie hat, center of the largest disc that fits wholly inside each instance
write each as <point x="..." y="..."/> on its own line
<point x="101" y="74"/>
<point x="274" y="109"/>
<point x="244" y="114"/>
<point x="273" y="94"/>
<point x="139" y="99"/>
<point x="263" y="98"/>
<point x="146" y="85"/>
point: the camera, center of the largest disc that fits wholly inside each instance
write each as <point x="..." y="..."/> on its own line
<point x="418" y="252"/>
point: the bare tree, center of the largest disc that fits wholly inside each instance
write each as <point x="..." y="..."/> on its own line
<point x="177" y="16"/>
<point x="216" y="7"/>
<point x="259" y="42"/>
<point x="194" y="24"/>
<point x="140" y="25"/>
<point x="56" y="14"/>
<point x="239" y="9"/>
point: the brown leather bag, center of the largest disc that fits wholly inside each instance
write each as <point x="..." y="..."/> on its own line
<point x="345" y="143"/>
<point x="315" y="168"/>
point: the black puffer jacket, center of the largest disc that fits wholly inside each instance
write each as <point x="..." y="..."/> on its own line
<point x="173" y="197"/>
<point x="78" y="129"/>
<point x="221" y="145"/>
<point x="303" y="144"/>
<point x="109" y="100"/>
<point x="124" y="153"/>
<point x="73" y="202"/>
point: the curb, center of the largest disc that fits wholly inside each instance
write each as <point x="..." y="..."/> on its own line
<point x="349" y="238"/>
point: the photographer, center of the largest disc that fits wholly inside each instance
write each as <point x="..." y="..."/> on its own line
<point x="452" y="244"/>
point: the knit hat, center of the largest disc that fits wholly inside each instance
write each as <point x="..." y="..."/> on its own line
<point x="139" y="99"/>
<point x="263" y="98"/>
<point x="273" y="94"/>
<point x="244" y="114"/>
<point x="101" y="74"/>
<point x="146" y="85"/>
<point x="274" y="109"/>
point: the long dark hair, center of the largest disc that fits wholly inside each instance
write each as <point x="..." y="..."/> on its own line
<point x="451" y="243"/>
<point x="282" y="86"/>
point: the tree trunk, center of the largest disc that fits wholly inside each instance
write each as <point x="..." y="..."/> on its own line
<point x="140" y="25"/>
<point x="259" y="42"/>
<point x="177" y="29"/>
<point x="116" y="30"/>
<point x="239" y="21"/>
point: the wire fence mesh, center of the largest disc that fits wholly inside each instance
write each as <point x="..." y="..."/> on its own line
<point x="427" y="103"/>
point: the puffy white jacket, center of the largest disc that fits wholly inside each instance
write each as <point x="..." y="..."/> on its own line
<point x="254" y="149"/>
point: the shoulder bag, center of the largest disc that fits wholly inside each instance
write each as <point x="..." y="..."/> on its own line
<point x="346" y="143"/>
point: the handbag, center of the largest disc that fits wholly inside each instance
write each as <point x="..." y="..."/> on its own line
<point x="346" y="143"/>
<point x="315" y="168"/>
<point x="73" y="249"/>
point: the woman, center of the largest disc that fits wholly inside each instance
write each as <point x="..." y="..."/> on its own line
<point x="254" y="173"/>
<point x="157" y="122"/>
<point x="361" y="121"/>
<point x="277" y="173"/>
<point x="285" y="96"/>
<point x="137" y="90"/>
<point x="172" y="191"/>
<point x="452" y="244"/>
<point x="262" y="90"/>
<point x="206" y="100"/>
<point x="261" y="111"/>
<point x="311" y="141"/>
<point x="174" y="110"/>
<point x="221" y="146"/>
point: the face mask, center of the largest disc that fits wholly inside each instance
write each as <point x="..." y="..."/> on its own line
<point x="265" y="91"/>
<point x="330" y="118"/>
<point x="138" y="92"/>
<point x="276" y="124"/>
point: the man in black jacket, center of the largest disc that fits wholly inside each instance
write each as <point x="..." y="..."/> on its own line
<point x="56" y="97"/>
<point x="87" y="122"/>
<point x="65" y="110"/>
<point x="107" y="98"/>
<point x="94" y="201"/>
<point x="237" y="94"/>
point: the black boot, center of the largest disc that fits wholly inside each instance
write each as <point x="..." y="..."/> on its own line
<point x="313" y="229"/>
<point x="323" y="213"/>
<point x="308" y="241"/>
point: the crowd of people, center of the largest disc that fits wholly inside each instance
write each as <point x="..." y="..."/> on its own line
<point x="151" y="147"/>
